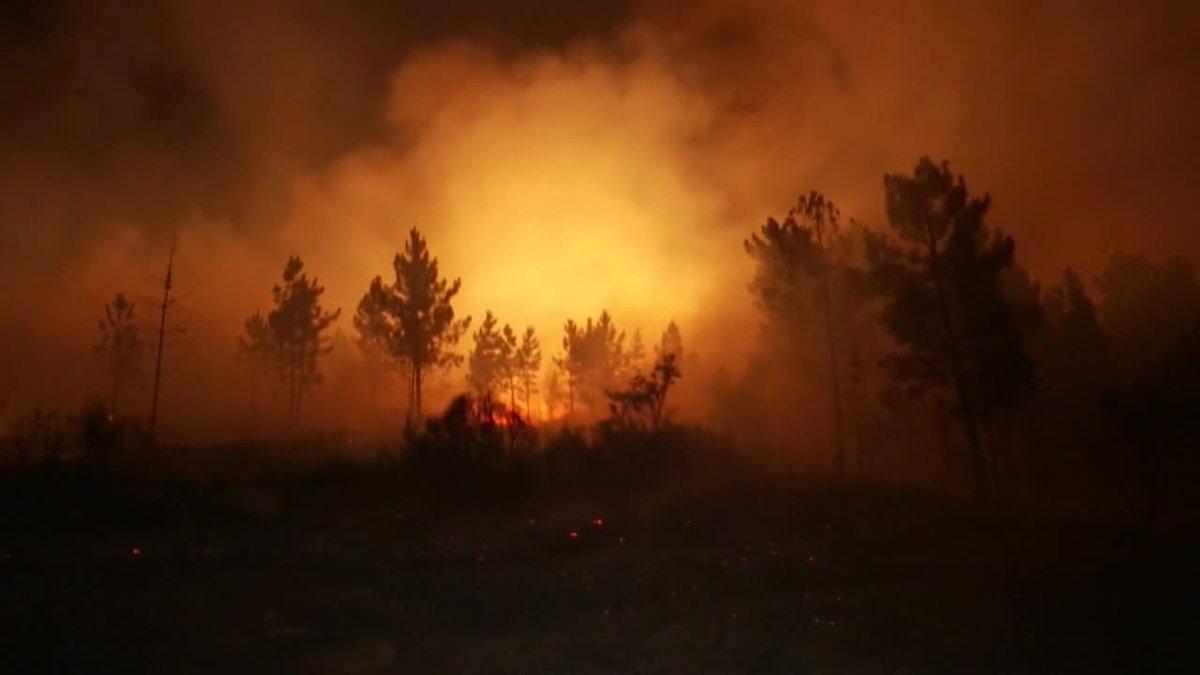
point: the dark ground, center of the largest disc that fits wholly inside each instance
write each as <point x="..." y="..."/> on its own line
<point x="344" y="573"/>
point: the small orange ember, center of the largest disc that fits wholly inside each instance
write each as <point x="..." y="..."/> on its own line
<point x="598" y="522"/>
<point x="574" y="534"/>
<point x="135" y="551"/>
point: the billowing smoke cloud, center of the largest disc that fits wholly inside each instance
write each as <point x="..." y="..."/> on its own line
<point x="560" y="160"/>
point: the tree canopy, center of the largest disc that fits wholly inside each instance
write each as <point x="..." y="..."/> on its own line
<point x="121" y="341"/>
<point x="940" y="273"/>
<point x="412" y="319"/>
<point x="297" y="327"/>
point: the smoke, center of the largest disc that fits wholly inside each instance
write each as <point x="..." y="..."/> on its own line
<point x="561" y="160"/>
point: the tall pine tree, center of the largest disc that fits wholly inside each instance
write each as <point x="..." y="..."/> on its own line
<point x="485" y="364"/>
<point x="529" y="362"/>
<point x="298" y="324"/>
<point x="799" y="263"/>
<point x="940" y="272"/>
<point x="122" y="343"/>
<point x="415" y="320"/>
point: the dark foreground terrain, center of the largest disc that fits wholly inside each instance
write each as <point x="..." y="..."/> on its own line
<point x="342" y="571"/>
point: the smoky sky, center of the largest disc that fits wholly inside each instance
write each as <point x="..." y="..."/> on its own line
<point x="1082" y="114"/>
<point x="149" y="109"/>
<point x="326" y="129"/>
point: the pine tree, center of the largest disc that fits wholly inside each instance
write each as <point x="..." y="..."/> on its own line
<point x="643" y="401"/>
<point x="257" y="347"/>
<point x="372" y="323"/>
<point x="1074" y="326"/>
<point x="122" y="343"/>
<point x="570" y="362"/>
<point x="1145" y="306"/>
<point x="634" y="358"/>
<point x="529" y="356"/>
<point x="298" y="324"/>
<point x="552" y="387"/>
<point x="593" y="358"/>
<point x="510" y="371"/>
<point x="671" y="342"/>
<point x="485" y="364"/>
<point x="797" y="260"/>
<point x="940" y="273"/>
<point x="417" y="325"/>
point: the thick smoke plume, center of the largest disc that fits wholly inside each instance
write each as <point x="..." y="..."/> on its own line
<point x="612" y="160"/>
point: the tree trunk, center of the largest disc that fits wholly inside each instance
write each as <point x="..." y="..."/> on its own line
<point x="416" y="393"/>
<point x="253" y="399"/>
<point x="299" y="395"/>
<point x="162" y="330"/>
<point x="116" y="389"/>
<point x="980" y="484"/>
<point x="373" y="382"/>
<point x="293" y="397"/>
<point x="528" y="410"/>
<point x="834" y="384"/>
<point x="856" y="413"/>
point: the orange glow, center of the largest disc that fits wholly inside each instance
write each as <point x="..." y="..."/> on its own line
<point x="619" y="170"/>
<point x="553" y="188"/>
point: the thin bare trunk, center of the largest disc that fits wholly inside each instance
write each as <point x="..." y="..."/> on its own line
<point x="291" y="400"/>
<point x="299" y="393"/>
<point x="162" y="329"/>
<point x="116" y="388"/>
<point x="416" y="393"/>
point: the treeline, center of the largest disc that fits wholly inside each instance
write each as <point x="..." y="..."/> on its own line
<point x="933" y="317"/>
<point x="409" y="325"/>
<point x="924" y="321"/>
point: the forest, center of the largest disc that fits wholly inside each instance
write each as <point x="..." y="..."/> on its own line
<point x="939" y="368"/>
<point x="602" y="336"/>
<point x="924" y="344"/>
